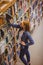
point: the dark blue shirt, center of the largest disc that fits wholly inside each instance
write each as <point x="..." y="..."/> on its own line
<point x="26" y="35"/>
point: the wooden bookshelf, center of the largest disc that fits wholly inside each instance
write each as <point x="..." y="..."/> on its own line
<point x="5" y="5"/>
<point x="2" y="22"/>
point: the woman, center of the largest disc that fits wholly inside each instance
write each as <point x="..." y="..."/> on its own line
<point x="25" y="44"/>
<point x="25" y="26"/>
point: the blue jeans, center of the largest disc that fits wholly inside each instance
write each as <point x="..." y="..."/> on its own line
<point x="25" y="52"/>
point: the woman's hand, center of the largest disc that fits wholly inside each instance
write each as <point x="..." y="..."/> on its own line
<point x="23" y="43"/>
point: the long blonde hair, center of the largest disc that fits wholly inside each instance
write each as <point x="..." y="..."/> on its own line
<point x="26" y="25"/>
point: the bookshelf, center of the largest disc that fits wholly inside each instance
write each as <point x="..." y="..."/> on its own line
<point x="19" y="11"/>
<point x="4" y="5"/>
<point x="7" y="42"/>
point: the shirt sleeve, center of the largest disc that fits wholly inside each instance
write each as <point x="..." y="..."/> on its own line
<point x="15" y="25"/>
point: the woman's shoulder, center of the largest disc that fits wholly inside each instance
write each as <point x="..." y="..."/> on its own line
<point x="26" y="32"/>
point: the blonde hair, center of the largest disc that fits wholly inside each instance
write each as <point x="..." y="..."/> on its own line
<point x="26" y="25"/>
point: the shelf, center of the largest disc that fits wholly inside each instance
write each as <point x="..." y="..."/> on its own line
<point x="6" y="6"/>
<point x="25" y="11"/>
<point x="2" y="25"/>
<point x="3" y="3"/>
<point x="32" y="3"/>
<point x="23" y="14"/>
<point x="3" y="44"/>
<point x="34" y="10"/>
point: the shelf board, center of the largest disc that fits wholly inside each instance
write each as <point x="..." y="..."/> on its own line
<point x="3" y="3"/>
<point x="6" y="6"/>
<point x="1" y="26"/>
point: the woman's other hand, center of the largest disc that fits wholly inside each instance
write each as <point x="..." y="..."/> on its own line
<point x="23" y="43"/>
